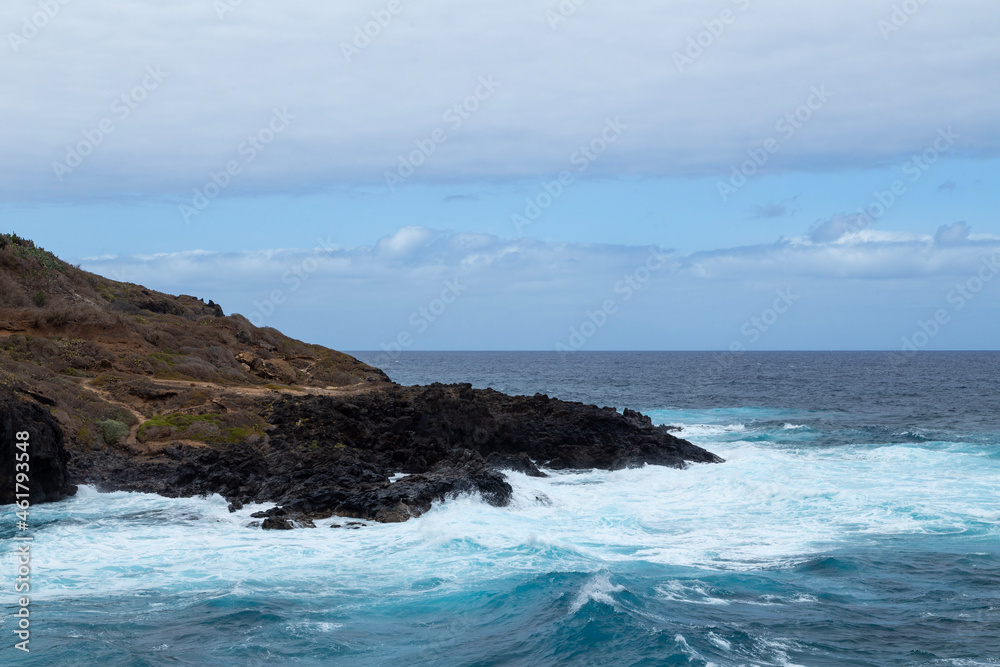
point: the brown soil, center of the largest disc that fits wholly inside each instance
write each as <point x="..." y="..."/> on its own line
<point x="93" y="349"/>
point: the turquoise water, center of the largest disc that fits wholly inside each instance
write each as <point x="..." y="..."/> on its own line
<point x="831" y="536"/>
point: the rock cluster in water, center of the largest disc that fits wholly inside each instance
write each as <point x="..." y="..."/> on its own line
<point x="329" y="455"/>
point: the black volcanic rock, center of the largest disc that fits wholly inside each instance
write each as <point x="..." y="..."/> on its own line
<point x="416" y="428"/>
<point x="413" y="495"/>
<point x="48" y="480"/>
<point x="336" y="454"/>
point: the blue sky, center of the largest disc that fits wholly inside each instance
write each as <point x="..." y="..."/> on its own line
<point x="497" y="178"/>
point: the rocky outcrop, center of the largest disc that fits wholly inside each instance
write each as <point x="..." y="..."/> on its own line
<point x="166" y="394"/>
<point x="344" y="455"/>
<point x="48" y="480"/>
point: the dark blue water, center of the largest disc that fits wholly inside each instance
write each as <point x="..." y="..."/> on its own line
<point x="952" y="391"/>
<point x="855" y="522"/>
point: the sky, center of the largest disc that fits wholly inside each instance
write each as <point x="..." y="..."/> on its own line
<point x="574" y="175"/>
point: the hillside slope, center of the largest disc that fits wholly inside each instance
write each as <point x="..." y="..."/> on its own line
<point x="88" y="346"/>
<point x="165" y="394"/>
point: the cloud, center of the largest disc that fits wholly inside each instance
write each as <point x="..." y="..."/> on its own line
<point x="769" y="210"/>
<point x="947" y="185"/>
<point x="832" y="229"/>
<point x="951" y="234"/>
<point x="853" y="255"/>
<point x="558" y="269"/>
<point x="400" y="267"/>
<point x="366" y="297"/>
<point x="405" y="242"/>
<point x="354" y="117"/>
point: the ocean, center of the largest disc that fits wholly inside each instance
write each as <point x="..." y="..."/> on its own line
<point x="856" y="521"/>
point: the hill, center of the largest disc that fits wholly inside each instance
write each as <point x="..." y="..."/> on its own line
<point x="128" y="388"/>
<point x="102" y="350"/>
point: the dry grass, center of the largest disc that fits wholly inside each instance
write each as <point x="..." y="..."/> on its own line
<point x="60" y="325"/>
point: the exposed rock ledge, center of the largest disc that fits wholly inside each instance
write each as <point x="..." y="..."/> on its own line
<point x="47" y="477"/>
<point x="334" y="455"/>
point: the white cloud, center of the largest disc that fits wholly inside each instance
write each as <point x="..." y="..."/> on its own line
<point x="224" y="77"/>
<point x="513" y="264"/>
<point x="867" y="254"/>
<point x="405" y="241"/>
<point x="525" y="293"/>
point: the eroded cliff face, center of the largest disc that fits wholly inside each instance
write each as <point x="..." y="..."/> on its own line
<point x="48" y="479"/>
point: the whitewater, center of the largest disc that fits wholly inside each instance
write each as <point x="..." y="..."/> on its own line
<point x="829" y="537"/>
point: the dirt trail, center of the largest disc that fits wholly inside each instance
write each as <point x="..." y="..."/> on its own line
<point x="133" y="433"/>
<point x="132" y="440"/>
<point x="257" y="390"/>
<point x="7" y="333"/>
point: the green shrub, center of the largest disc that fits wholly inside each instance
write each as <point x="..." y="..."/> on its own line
<point x="105" y="292"/>
<point x="83" y="433"/>
<point x="106" y="380"/>
<point x="210" y="429"/>
<point x="120" y="414"/>
<point x="112" y="431"/>
<point x="39" y="298"/>
<point x="26" y="249"/>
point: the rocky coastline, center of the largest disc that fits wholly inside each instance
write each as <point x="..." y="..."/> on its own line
<point x="129" y="389"/>
<point x="388" y="453"/>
